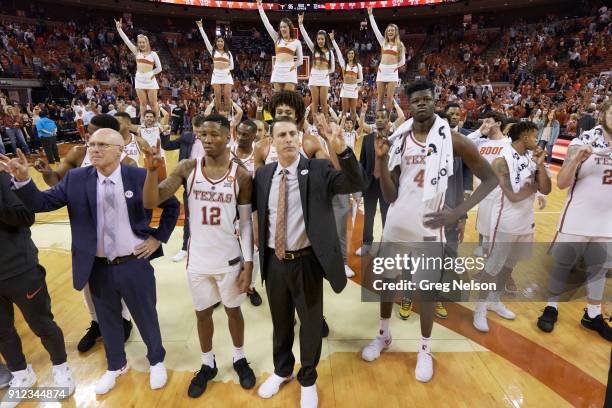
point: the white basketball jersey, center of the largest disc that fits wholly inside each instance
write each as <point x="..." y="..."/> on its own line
<point x="132" y="150"/>
<point x="213" y="243"/>
<point x="491" y="150"/>
<point x="405" y="214"/>
<point x="152" y="135"/>
<point x="588" y="206"/>
<point x="248" y="162"/>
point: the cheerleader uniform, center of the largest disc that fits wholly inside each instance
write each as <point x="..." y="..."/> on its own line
<point x="388" y="72"/>
<point x="282" y="72"/>
<point x="143" y="80"/>
<point x="319" y="77"/>
<point x="349" y="91"/>
<point x="219" y="76"/>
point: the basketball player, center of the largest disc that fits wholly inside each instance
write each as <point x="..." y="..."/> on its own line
<point x="414" y="179"/>
<point x="151" y="132"/>
<point x="401" y="118"/>
<point x="262" y="130"/>
<point x="219" y="190"/>
<point x="243" y="150"/>
<point x="585" y="226"/>
<point x="134" y="144"/>
<point x="521" y="174"/>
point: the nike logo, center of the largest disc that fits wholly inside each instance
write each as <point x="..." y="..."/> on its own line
<point x="29" y="297"/>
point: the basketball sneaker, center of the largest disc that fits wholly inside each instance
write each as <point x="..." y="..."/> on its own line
<point x="372" y="351"/>
<point x="405" y="309"/>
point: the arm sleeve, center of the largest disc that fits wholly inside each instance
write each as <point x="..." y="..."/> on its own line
<point x="158" y="67"/>
<point x="307" y="39"/>
<point x="300" y="55"/>
<point x="127" y="41"/>
<point x="209" y="46"/>
<point x="12" y="211"/>
<point x="267" y="24"/>
<point x="246" y="231"/>
<point x="475" y="135"/>
<point x="339" y="54"/>
<point x="377" y="33"/>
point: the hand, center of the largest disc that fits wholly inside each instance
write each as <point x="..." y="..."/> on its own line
<point x="245" y="277"/>
<point x="293" y="67"/>
<point x="152" y="77"/>
<point x="541" y="202"/>
<point x="337" y="139"/>
<point x="147" y="248"/>
<point x="369" y="11"/>
<point x="199" y="23"/>
<point x="18" y="167"/>
<point x="42" y="166"/>
<point x="324" y="129"/>
<point x="440" y="218"/>
<point x="584" y="152"/>
<point x="381" y="146"/>
<point x="118" y="23"/>
<point x="460" y="230"/>
<point x="331" y="36"/>
<point x="152" y="157"/>
<point x="538" y="156"/>
<point x="301" y="18"/>
<point x="466" y="195"/>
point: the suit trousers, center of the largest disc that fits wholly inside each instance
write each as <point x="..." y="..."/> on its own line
<point x="295" y="285"/>
<point x="29" y="292"/>
<point x="340" y="204"/>
<point x="134" y="282"/>
<point x="371" y="197"/>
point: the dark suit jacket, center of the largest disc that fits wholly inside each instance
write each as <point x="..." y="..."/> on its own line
<point x="319" y="181"/>
<point x="184" y="143"/>
<point x="367" y="157"/>
<point x="78" y="191"/>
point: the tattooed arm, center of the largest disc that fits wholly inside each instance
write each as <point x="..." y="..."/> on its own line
<point x="575" y="156"/>
<point x="155" y="193"/>
<point x="500" y="167"/>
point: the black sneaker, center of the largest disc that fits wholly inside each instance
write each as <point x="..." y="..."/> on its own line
<point x="89" y="339"/>
<point x="325" y="328"/>
<point x="597" y="324"/>
<point x="245" y="374"/>
<point x="254" y="297"/>
<point x="201" y="378"/>
<point x="127" y="329"/>
<point x="546" y="322"/>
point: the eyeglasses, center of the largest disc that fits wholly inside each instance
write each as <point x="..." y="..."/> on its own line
<point x="101" y="146"/>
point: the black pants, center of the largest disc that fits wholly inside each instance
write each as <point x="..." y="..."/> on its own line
<point x="29" y="292"/>
<point x="186" y="232"/>
<point x="295" y="285"/>
<point x="50" y="146"/>
<point x="371" y="197"/>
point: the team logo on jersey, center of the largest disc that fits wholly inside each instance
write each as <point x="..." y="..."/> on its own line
<point x="230" y="179"/>
<point x="432" y="149"/>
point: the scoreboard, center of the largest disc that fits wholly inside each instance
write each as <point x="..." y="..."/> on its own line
<point x="297" y="5"/>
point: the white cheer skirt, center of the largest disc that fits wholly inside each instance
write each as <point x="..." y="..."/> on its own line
<point x="221" y="77"/>
<point x="143" y="80"/>
<point x="282" y="73"/>
<point x="319" y="77"/>
<point x="387" y="73"/>
<point x="349" y="91"/>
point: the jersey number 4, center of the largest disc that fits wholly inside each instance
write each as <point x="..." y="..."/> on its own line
<point x="420" y="178"/>
<point x="212" y="217"/>
<point x="607" y="177"/>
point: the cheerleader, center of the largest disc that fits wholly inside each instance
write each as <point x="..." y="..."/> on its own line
<point x="352" y="73"/>
<point x="284" y="72"/>
<point x="323" y="65"/>
<point x="393" y="56"/>
<point x="223" y="64"/>
<point x="147" y="66"/>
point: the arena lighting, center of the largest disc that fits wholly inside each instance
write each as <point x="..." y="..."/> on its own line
<point x="305" y="5"/>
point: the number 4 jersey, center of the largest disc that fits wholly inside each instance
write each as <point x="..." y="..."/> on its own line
<point x="213" y="244"/>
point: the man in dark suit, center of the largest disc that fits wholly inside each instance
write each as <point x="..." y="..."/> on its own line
<point x="189" y="147"/>
<point x="300" y="246"/>
<point x="112" y="244"/>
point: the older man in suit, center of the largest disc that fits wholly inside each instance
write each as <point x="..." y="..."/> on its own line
<point x="300" y="246"/>
<point x="112" y="245"/>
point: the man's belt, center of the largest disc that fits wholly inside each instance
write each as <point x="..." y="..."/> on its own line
<point x="292" y="255"/>
<point x="117" y="261"/>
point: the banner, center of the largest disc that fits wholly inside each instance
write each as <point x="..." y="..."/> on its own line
<point x="304" y="5"/>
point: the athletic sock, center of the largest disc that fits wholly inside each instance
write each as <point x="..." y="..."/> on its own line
<point x="552" y="304"/>
<point x="208" y="359"/>
<point x="593" y="310"/>
<point x="238" y="353"/>
<point x="384" y="328"/>
<point x="424" y="345"/>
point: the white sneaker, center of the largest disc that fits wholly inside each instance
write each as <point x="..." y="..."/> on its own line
<point x="424" y="367"/>
<point x="372" y="351"/>
<point x="362" y="250"/>
<point x="271" y="386"/>
<point x="480" y="319"/>
<point x="62" y="378"/>
<point x="479" y="251"/>
<point x="158" y="376"/>
<point x="348" y="271"/>
<point x="180" y="255"/>
<point x="501" y="310"/>
<point x="22" y="380"/>
<point x="309" y="397"/>
<point x="107" y="381"/>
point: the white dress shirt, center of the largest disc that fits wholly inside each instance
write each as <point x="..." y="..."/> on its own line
<point x="296" y="227"/>
<point x="123" y="230"/>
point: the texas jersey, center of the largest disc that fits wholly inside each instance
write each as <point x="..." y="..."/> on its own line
<point x="132" y="150"/>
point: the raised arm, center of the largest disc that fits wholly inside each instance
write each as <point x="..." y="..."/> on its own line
<point x="307" y="39"/>
<point x="209" y="46"/>
<point x="210" y="107"/>
<point x="266" y="22"/>
<point x="377" y="33"/>
<point x="401" y="118"/>
<point x="154" y="193"/>
<point x="338" y="53"/>
<point x="237" y="115"/>
<point x="125" y="38"/>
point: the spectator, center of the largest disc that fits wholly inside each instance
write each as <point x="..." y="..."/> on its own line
<point x="13" y="122"/>
<point x="587" y="121"/>
<point x="47" y="131"/>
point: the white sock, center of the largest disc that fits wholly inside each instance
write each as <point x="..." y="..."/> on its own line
<point x="384" y="327"/>
<point x="62" y="366"/>
<point x="238" y="353"/>
<point x="553" y="304"/>
<point x="208" y="359"/>
<point x="424" y="345"/>
<point x="593" y="310"/>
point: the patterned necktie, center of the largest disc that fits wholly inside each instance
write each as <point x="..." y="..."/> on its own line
<point x="281" y="213"/>
<point x="108" y="231"/>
